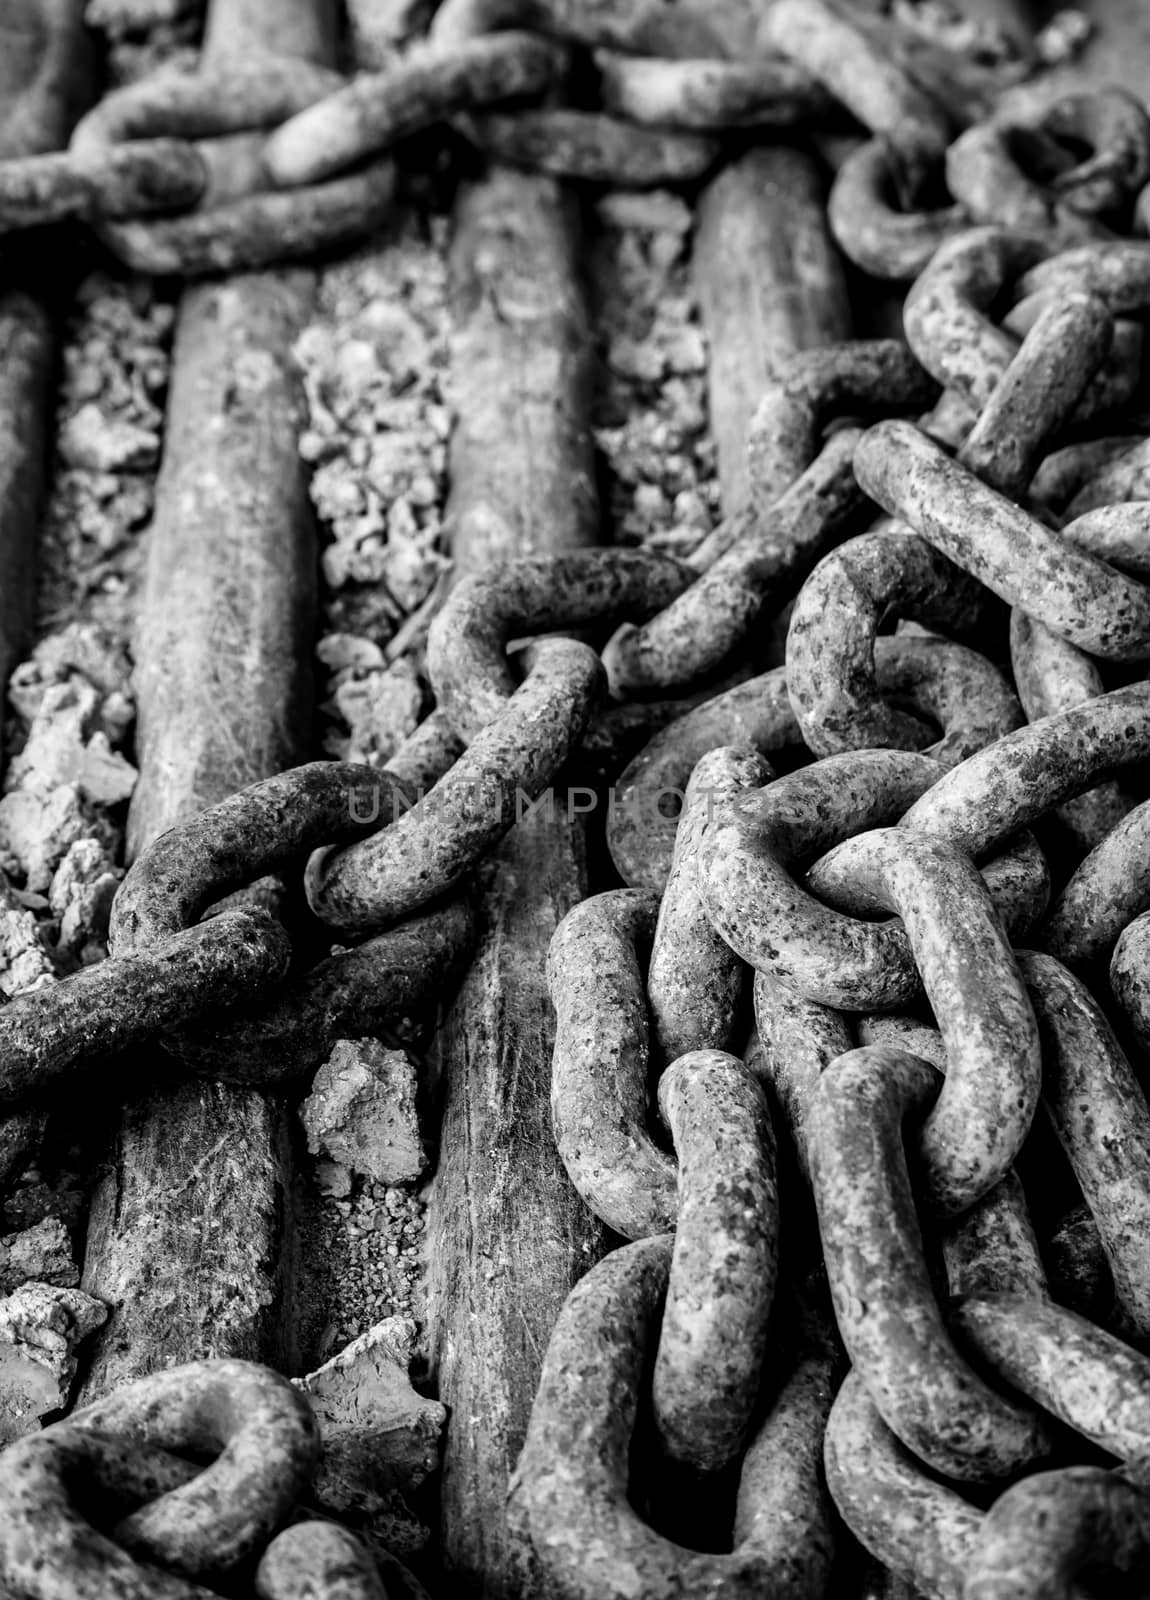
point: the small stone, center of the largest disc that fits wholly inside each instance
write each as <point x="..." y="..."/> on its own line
<point x="341" y="652"/>
<point x="88" y="648"/>
<point x="651" y="502"/>
<point x="640" y="360"/>
<point x="36" y="832"/>
<point x="412" y="568"/>
<point x="1065" y="36"/>
<point x="81" y="893"/>
<point x="347" y="563"/>
<point x="93" y="440"/>
<point x="361" y="1112"/>
<point x="41" y="1326"/>
<point x="396" y="338"/>
<point x="43" y="1253"/>
<point x="381" y="709"/>
<point x="686" y="352"/>
<point x="61" y="748"/>
<point x="332" y="1179"/>
<point x="658" y="211"/>
<point x="690" y="508"/>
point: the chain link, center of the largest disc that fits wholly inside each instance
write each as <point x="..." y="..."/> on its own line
<point x="934" y="1038"/>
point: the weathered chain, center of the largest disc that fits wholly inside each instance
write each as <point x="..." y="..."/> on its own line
<point x="212" y="172"/>
<point x="855" y="1181"/>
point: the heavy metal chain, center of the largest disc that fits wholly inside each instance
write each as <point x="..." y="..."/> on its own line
<point x="835" y="1286"/>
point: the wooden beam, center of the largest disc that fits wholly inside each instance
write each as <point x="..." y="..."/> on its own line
<point x="186" y="1239"/>
<point x="47" y="77"/>
<point x="509" y="1237"/>
<point x="770" y="282"/>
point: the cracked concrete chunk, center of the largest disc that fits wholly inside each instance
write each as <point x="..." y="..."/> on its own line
<point x="100" y="443"/>
<point x="24" y="958"/>
<point x="333" y="1180"/>
<point x="342" y="652"/>
<point x="65" y="744"/>
<point x="381" y="709"/>
<point x="36" y="832"/>
<point x="361" y="1112"/>
<point x="42" y="1254"/>
<point x="378" y="1433"/>
<point x="81" y="893"/>
<point x="41" y="1325"/>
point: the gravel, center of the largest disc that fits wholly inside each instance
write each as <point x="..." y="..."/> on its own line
<point x="363" y="1256"/>
<point x="651" y="423"/>
<point x="374" y="364"/>
<point x="117" y="359"/>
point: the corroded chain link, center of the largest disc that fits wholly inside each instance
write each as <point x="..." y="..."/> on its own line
<point x="965" y="1367"/>
<point x="835" y="1283"/>
<point x="216" y="171"/>
<point x="110" y="1505"/>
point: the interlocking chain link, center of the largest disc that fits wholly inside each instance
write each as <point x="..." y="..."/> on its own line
<point x="835" y="1287"/>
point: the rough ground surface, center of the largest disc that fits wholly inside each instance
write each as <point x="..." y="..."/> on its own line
<point x="651" y="408"/>
<point x="374" y="364"/>
<point x="366" y="1249"/>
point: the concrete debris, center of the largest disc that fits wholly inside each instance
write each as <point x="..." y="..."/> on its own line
<point x="81" y="894"/>
<point x="361" y="1112"/>
<point x="344" y="652"/>
<point x="41" y="1326"/>
<point x="378" y="1433"/>
<point x="646" y="211"/>
<point x="106" y="445"/>
<point x="36" y="832"/>
<point x="380" y="709"/>
<point x="110" y="420"/>
<point x="25" y="961"/>
<point x="1063" y="38"/>
<point x="72" y="710"/>
<point x="333" y="1180"/>
<point x="375" y="368"/>
<point x="67" y="744"/>
<point x="364" y="1250"/>
<point x="80" y="648"/>
<point x="42" y="1253"/>
<point x="651" y="409"/>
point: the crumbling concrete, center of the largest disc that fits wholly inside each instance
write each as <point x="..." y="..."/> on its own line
<point x="41" y="1326"/>
<point x="361" y="1112"/>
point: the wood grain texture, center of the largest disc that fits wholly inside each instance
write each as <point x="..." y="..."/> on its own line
<point x="47" y="76"/>
<point x="508" y="1235"/>
<point x="187" y="1234"/>
<point x="770" y="282"/>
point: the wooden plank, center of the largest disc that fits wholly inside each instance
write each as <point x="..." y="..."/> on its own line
<point x="47" y="76"/>
<point x="186" y="1238"/>
<point x="509" y="1237"/>
<point x="770" y="282"/>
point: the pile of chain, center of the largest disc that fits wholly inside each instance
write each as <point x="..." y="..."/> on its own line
<point x="976" y="1249"/>
<point x="116" y="1502"/>
<point x="185" y="173"/>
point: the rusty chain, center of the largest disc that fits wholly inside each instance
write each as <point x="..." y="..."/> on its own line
<point x="925" y="1001"/>
<point x="190" y="173"/>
